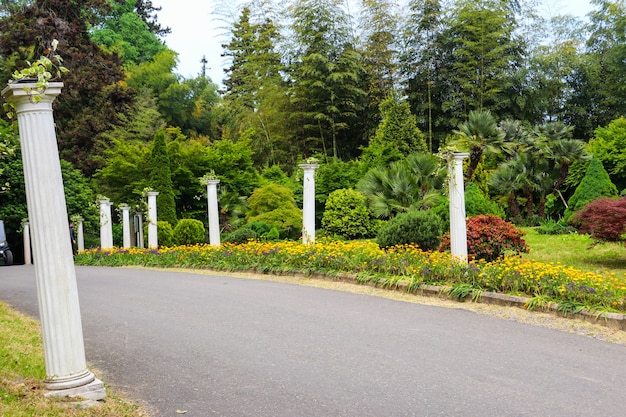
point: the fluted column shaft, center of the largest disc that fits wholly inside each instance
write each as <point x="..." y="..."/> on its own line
<point x="125" y="226"/>
<point x="57" y="291"/>
<point x="213" y="212"/>
<point x="27" y="255"/>
<point x="308" y="203"/>
<point x="106" y="226"/>
<point x="458" y="226"/>
<point x="80" y="235"/>
<point x="153" y="240"/>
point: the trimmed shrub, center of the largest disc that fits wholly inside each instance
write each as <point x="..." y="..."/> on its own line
<point x="422" y="228"/>
<point x="165" y="233"/>
<point x="595" y="184"/>
<point x="189" y="232"/>
<point x="604" y="219"/>
<point x="489" y="237"/>
<point x="347" y="215"/>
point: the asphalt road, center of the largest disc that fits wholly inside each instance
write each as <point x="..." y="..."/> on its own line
<point x="224" y="346"/>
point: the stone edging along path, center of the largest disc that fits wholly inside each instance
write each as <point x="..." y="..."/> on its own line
<point x="614" y="321"/>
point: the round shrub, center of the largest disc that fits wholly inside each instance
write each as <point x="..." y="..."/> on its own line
<point x="488" y="237"/>
<point x="189" y="232"/>
<point x="165" y="233"/>
<point x="346" y="214"/>
<point x="422" y="228"/>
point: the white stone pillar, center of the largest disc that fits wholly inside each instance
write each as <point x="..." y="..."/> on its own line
<point x="80" y="234"/>
<point x="153" y="240"/>
<point x="308" y="203"/>
<point x="106" y="226"/>
<point x="59" y="311"/>
<point x="458" y="227"/>
<point x="27" y="256"/>
<point x="125" y="225"/>
<point x="213" y="212"/>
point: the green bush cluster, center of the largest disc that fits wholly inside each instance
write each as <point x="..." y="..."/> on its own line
<point x="165" y="233"/>
<point x="346" y="215"/>
<point x="422" y="228"/>
<point x="476" y="203"/>
<point x="254" y="230"/>
<point x="189" y="232"/>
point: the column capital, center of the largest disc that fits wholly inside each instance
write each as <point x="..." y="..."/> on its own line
<point x="309" y="167"/>
<point x="20" y="93"/>
<point x="152" y="193"/>
<point x="210" y="182"/>
<point x="457" y="156"/>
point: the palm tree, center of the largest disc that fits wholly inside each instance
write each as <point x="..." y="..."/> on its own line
<point x="565" y="152"/>
<point x="410" y="184"/>
<point x="506" y="180"/>
<point x="479" y="134"/>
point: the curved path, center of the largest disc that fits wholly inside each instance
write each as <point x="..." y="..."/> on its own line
<point x="224" y="346"/>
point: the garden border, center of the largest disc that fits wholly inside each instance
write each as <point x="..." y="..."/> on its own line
<point x="614" y="321"/>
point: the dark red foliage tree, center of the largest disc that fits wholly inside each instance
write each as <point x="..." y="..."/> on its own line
<point x="92" y="96"/>
<point x="489" y="237"/>
<point x="604" y="219"/>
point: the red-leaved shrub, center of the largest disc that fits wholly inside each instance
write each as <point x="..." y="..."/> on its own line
<point x="488" y="237"/>
<point x="604" y="219"/>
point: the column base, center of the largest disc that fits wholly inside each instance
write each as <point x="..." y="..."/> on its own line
<point x="93" y="391"/>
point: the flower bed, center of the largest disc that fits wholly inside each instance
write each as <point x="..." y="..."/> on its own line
<point x="544" y="283"/>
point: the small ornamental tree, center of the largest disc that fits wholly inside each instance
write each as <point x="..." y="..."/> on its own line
<point x="346" y="214"/>
<point x="604" y="219"/>
<point x="275" y="205"/>
<point x="596" y="183"/>
<point x="488" y="237"/>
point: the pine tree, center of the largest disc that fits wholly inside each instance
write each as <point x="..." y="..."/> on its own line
<point x="396" y="137"/>
<point x="595" y="184"/>
<point x="161" y="180"/>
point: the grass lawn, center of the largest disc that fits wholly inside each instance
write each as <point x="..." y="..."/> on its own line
<point x="577" y="251"/>
<point x="22" y="372"/>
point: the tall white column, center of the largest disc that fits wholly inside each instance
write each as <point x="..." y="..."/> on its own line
<point x="27" y="256"/>
<point x="106" y="226"/>
<point x="125" y="225"/>
<point x="458" y="226"/>
<point x="153" y="240"/>
<point x="308" y="203"/>
<point x="59" y="311"/>
<point x="80" y="234"/>
<point x="213" y="212"/>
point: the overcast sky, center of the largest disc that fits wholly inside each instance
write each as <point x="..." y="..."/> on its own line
<point x="196" y="32"/>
